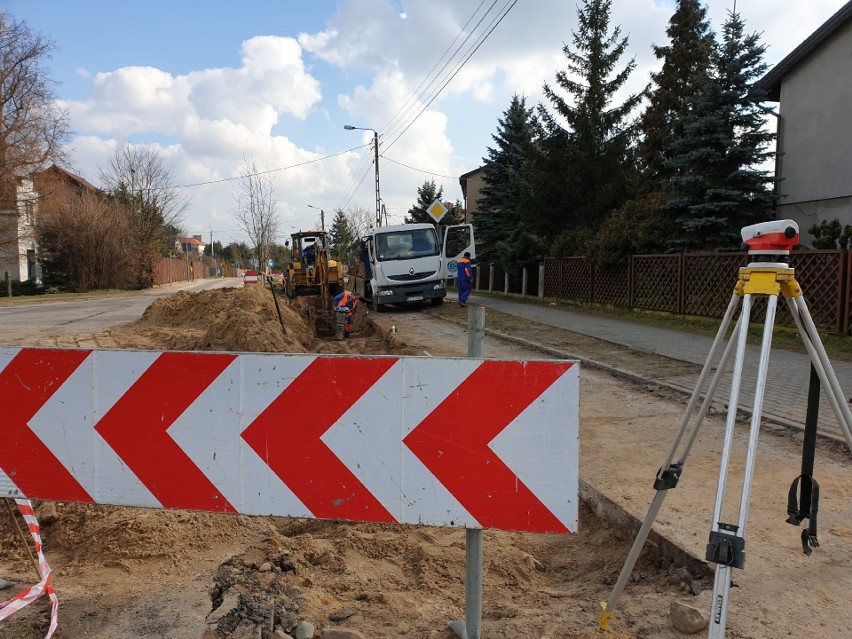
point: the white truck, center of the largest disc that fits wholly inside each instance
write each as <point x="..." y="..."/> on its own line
<point x="409" y="263"/>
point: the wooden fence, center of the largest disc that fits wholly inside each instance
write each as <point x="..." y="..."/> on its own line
<point x="167" y="271"/>
<point x="702" y="284"/>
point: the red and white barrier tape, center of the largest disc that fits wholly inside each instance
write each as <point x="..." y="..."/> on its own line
<point x="26" y="597"/>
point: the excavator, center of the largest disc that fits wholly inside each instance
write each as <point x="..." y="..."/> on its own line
<point x="311" y="271"/>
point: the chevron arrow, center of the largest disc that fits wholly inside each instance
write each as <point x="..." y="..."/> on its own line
<point x="136" y="427"/>
<point x="455" y="447"/>
<point x="287" y="437"/>
<point x="26" y="384"/>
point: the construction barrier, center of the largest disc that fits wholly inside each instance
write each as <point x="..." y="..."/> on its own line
<point x="251" y="277"/>
<point x="44" y="586"/>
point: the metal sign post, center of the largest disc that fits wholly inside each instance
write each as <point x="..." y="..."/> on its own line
<point x="470" y="628"/>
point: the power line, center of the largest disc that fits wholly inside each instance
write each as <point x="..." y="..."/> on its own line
<point x="240" y="177"/>
<point x="508" y="7"/>
<point x="414" y="96"/>
<point x="355" y="181"/>
<point x="414" y="168"/>
<point x="346" y="198"/>
<point x="494" y="24"/>
<point x="396" y="121"/>
<point x="358" y="177"/>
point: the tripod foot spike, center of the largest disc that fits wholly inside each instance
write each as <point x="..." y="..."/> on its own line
<point x="605" y="616"/>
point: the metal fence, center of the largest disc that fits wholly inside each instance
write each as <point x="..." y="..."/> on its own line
<point x="701" y="284"/>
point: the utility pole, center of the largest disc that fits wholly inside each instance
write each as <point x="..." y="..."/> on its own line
<point x="378" y="193"/>
<point x="349" y="127"/>
<point x="322" y="216"/>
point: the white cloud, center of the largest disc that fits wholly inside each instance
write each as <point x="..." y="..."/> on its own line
<point x="272" y="82"/>
<point x="371" y="55"/>
<point x="361" y="34"/>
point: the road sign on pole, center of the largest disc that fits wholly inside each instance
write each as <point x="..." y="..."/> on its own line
<point x="437" y="210"/>
<point x="434" y="441"/>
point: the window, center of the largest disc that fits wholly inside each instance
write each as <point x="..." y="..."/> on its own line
<point x="458" y="239"/>
<point x="403" y="245"/>
<point x="28" y="212"/>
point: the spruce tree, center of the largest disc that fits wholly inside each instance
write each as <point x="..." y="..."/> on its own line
<point x="426" y="195"/>
<point x="500" y="214"/>
<point x="593" y="150"/>
<point x="686" y="60"/>
<point x="641" y="225"/>
<point x="341" y="236"/>
<point x="717" y="185"/>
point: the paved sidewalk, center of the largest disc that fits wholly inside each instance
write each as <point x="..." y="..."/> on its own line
<point x="785" y="399"/>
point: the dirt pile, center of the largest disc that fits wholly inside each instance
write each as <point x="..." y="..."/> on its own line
<point x="246" y="320"/>
<point x="396" y="581"/>
<point x="124" y="573"/>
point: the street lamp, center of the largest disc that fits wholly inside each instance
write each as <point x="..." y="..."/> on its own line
<point x="349" y="127"/>
<point x="322" y="216"/>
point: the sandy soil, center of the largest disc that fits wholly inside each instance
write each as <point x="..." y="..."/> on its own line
<point x="123" y="573"/>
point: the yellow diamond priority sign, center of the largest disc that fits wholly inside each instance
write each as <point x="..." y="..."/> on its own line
<point x="437" y="210"/>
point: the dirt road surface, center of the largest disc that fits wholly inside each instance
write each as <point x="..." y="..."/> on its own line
<point x="123" y="573"/>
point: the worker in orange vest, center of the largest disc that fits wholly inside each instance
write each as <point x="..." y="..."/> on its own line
<point x="465" y="277"/>
<point x="346" y="302"/>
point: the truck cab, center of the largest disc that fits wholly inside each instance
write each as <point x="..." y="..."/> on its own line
<point x="409" y="263"/>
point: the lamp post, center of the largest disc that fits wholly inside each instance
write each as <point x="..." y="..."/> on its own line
<point x="349" y="127"/>
<point x="322" y="216"/>
<point x="213" y="254"/>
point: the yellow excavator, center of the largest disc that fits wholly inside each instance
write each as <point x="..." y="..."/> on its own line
<point x="311" y="271"/>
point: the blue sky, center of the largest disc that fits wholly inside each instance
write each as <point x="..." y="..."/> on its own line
<point x="214" y="82"/>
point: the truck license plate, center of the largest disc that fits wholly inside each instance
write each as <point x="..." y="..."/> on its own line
<point x="414" y="298"/>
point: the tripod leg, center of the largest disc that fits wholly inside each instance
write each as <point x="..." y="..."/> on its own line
<point x="819" y="358"/>
<point x="702" y="378"/>
<point x="726" y="546"/>
<point x="669" y="473"/>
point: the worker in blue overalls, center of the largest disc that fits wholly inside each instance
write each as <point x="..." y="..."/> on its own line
<point x="465" y="277"/>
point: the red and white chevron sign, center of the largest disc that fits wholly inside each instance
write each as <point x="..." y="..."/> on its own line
<point x="446" y="442"/>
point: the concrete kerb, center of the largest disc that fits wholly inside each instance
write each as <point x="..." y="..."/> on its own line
<point x="742" y="412"/>
<point x="607" y="510"/>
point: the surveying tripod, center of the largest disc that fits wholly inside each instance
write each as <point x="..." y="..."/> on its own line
<point x="767" y="276"/>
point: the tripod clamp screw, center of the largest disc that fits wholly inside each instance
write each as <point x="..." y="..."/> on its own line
<point x="669" y="477"/>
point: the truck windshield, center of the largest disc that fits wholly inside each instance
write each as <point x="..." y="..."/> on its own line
<point x="404" y="245"/>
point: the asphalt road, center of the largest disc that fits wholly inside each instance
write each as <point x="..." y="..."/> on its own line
<point x="24" y="320"/>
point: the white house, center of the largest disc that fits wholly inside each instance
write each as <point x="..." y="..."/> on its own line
<point x="813" y="89"/>
<point x="17" y="236"/>
<point x="193" y="246"/>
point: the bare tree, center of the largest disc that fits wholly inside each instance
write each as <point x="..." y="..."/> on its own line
<point x="83" y="243"/>
<point x="361" y="220"/>
<point x="255" y="212"/>
<point x="139" y="178"/>
<point x="32" y="127"/>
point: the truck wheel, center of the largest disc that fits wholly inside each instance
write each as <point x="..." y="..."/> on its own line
<point x="437" y="301"/>
<point x="378" y="308"/>
<point x="291" y="292"/>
